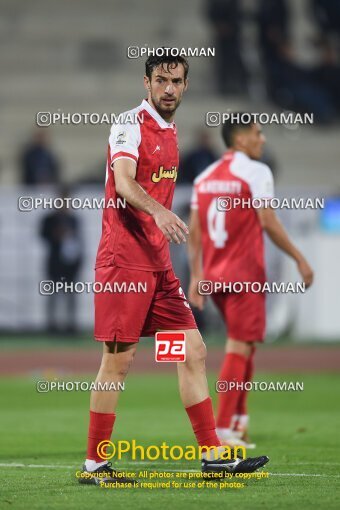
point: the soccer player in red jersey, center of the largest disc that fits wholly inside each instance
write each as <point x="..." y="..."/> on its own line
<point x="226" y="246"/>
<point x="142" y="166"/>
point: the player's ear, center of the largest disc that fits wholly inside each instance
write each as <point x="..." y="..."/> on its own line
<point x="147" y="84"/>
<point x="186" y="84"/>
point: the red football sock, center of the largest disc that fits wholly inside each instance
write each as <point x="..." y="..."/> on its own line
<point x="233" y="370"/>
<point x="242" y="401"/>
<point x="202" y="420"/>
<point x="100" y="429"/>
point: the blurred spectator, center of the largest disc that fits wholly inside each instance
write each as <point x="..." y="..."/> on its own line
<point x="39" y="164"/>
<point x="225" y="17"/>
<point x="327" y="14"/>
<point x="61" y="232"/>
<point x="201" y="155"/>
<point x="327" y="17"/>
<point x="289" y="85"/>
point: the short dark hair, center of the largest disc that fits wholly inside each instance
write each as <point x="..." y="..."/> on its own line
<point x="234" y="124"/>
<point x="168" y="60"/>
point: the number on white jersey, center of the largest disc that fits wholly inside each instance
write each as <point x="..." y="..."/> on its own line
<point x="216" y="225"/>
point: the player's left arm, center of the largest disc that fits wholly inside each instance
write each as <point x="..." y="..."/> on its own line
<point x="275" y="230"/>
<point x="262" y="187"/>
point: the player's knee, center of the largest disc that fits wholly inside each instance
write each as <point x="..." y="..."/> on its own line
<point x="125" y="363"/>
<point x="117" y="364"/>
<point x="123" y="370"/>
<point x="239" y="347"/>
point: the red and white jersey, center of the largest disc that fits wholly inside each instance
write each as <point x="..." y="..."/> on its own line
<point x="232" y="240"/>
<point x="130" y="238"/>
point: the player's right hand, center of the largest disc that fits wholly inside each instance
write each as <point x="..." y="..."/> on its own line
<point x="171" y="225"/>
<point x="195" y="299"/>
<point x="306" y="272"/>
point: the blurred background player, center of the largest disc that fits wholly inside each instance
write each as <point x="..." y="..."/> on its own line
<point x="227" y="246"/>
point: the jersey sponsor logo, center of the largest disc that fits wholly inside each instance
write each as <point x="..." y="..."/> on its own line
<point x="170" y="346"/>
<point x="164" y="174"/>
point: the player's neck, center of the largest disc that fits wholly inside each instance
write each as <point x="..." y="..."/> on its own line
<point x="239" y="149"/>
<point x="168" y="118"/>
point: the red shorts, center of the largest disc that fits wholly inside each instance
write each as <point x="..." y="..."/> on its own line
<point x="244" y="314"/>
<point x="126" y="315"/>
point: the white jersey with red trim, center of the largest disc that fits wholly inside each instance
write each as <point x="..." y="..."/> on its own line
<point x="232" y="240"/>
<point x="130" y="238"/>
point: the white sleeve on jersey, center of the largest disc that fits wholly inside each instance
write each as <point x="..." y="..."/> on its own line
<point x="124" y="141"/>
<point x="261" y="181"/>
<point x="257" y="175"/>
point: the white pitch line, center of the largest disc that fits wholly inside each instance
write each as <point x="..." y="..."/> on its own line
<point x="304" y="474"/>
<point x="43" y="466"/>
<point x="316" y="463"/>
<point x="270" y="474"/>
<point x="58" y="466"/>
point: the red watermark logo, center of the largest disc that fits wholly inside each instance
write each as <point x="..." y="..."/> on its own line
<point x="170" y="346"/>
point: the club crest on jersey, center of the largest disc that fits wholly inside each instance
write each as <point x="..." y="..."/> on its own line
<point x="164" y="174"/>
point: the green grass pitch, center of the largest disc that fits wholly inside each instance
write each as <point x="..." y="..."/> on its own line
<point x="297" y="430"/>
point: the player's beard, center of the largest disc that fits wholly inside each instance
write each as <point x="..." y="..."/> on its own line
<point x="166" y="111"/>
